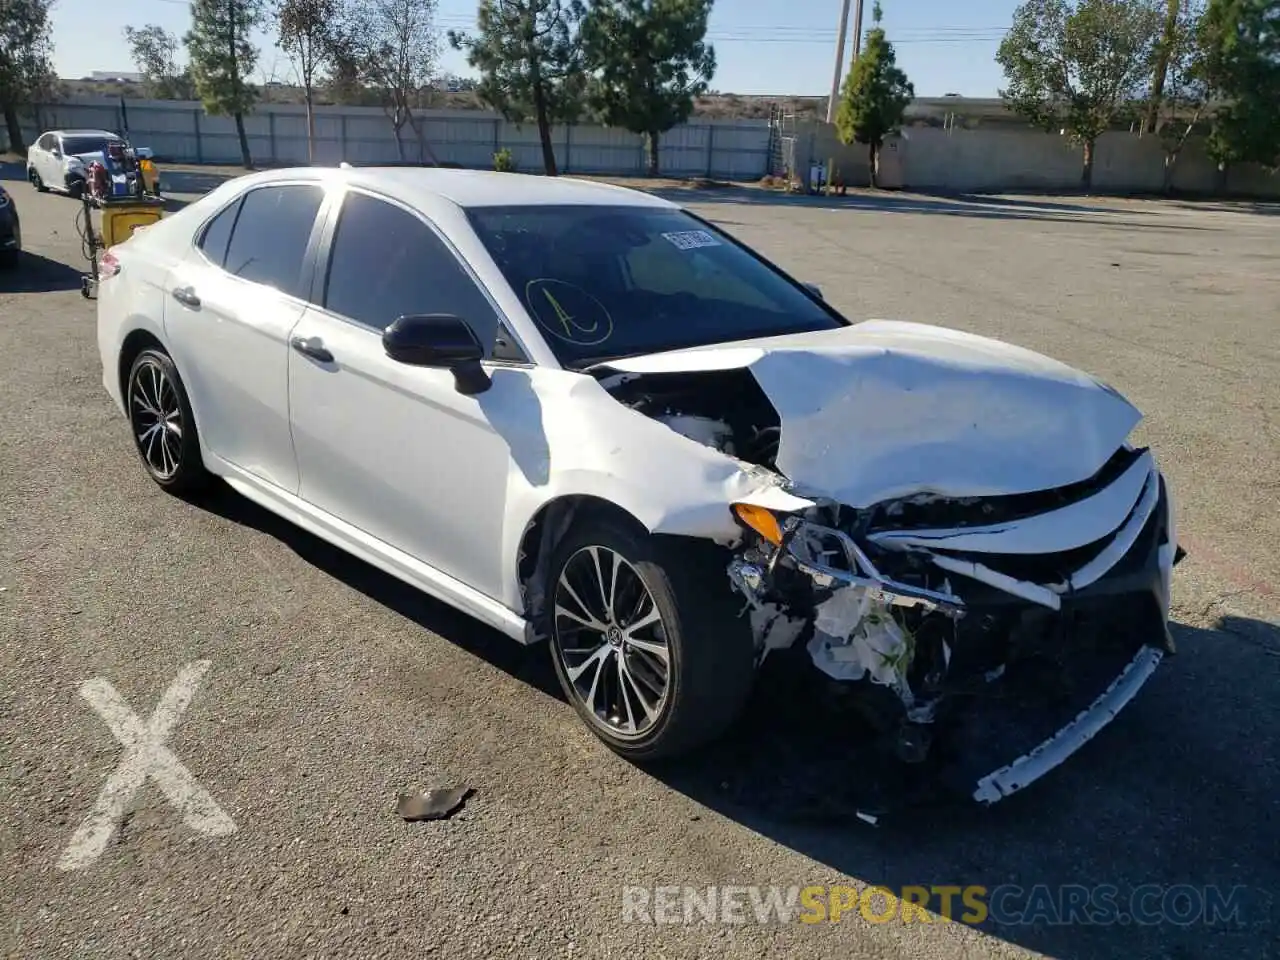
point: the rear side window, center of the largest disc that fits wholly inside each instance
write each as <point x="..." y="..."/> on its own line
<point x="270" y="237"/>
<point x="387" y="263"/>
<point x="217" y="233"/>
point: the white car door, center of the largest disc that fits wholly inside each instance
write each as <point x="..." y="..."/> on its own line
<point x="230" y="306"/>
<point x="391" y="448"/>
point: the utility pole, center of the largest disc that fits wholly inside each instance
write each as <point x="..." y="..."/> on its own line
<point x="857" y="30"/>
<point x="835" y="73"/>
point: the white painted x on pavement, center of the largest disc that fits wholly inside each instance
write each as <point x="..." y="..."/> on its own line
<point x="145" y="756"/>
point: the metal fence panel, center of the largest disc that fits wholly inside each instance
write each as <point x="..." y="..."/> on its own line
<point x="181" y="132"/>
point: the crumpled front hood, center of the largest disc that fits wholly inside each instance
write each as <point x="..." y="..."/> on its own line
<point x="886" y="409"/>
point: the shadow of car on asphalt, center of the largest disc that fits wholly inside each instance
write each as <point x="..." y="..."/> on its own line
<point x="192" y="181"/>
<point x="32" y="273"/>
<point x="1181" y="789"/>
<point x="970" y="206"/>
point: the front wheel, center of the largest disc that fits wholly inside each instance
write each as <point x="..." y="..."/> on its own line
<point x="646" y="639"/>
<point x="34" y="176"/>
<point x="163" y="427"/>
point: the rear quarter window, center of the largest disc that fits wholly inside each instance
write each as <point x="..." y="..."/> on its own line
<point x="213" y="241"/>
<point x="269" y="239"/>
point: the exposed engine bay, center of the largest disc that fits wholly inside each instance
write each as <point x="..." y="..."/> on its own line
<point x="938" y="612"/>
<point x="724" y="409"/>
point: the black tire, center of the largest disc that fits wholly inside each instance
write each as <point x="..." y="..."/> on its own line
<point x="171" y="458"/>
<point x="9" y="259"/>
<point x="710" y="649"/>
<point x="33" y="176"/>
<point x="75" y="187"/>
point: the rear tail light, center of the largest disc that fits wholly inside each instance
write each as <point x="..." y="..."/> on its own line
<point x="108" y="266"/>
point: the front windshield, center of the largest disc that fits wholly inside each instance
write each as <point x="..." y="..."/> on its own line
<point x="74" y="146"/>
<point x="609" y="282"/>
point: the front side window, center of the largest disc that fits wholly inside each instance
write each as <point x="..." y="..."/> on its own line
<point x="609" y="282"/>
<point x="387" y="263"/>
<point x="269" y="241"/>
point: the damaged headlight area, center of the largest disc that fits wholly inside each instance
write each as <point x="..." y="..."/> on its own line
<point x="991" y="649"/>
<point x="813" y="582"/>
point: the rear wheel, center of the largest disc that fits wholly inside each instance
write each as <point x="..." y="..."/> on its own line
<point x="646" y="639"/>
<point x="164" y="429"/>
<point x="75" y="187"/>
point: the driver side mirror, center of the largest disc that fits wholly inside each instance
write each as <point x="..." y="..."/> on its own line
<point x="439" y="340"/>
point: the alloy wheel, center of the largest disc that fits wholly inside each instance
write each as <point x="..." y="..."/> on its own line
<point x="611" y="641"/>
<point x="155" y="410"/>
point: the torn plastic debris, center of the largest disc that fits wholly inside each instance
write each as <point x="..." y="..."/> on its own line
<point x="774" y="627"/>
<point x="438" y="804"/>
<point x="855" y="637"/>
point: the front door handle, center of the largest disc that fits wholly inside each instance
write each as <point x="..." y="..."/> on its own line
<point x="312" y="347"/>
<point x="186" y="296"/>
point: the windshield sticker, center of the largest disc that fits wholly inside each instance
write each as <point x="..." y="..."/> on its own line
<point x="691" y="239"/>
<point x="568" y="312"/>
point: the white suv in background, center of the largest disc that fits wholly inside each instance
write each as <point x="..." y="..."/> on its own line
<point x="58" y="159"/>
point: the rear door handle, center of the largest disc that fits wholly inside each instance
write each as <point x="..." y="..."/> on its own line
<point x="186" y="296"/>
<point x="312" y="347"/>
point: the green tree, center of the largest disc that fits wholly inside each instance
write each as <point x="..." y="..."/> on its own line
<point x="390" y="48"/>
<point x="306" y="35"/>
<point x="1079" y="68"/>
<point x="648" y="60"/>
<point x="1179" y="95"/>
<point x="1240" y="40"/>
<point x="528" y="58"/>
<point x="154" y="52"/>
<point x="223" y="56"/>
<point x="874" y="97"/>
<point x="1164" y="52"/>
<point x="26" y="62"/>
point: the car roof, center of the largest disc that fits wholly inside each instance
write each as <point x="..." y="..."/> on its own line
<point x="86" y="133"/>
<point x="475" y="188"/>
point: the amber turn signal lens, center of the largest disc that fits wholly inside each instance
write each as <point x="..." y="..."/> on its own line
<point x="760" y="520"/>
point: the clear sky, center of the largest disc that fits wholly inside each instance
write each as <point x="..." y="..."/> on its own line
<point x="762" y="46"/>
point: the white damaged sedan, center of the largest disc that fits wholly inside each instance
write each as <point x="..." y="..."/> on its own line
<point x="584" y="415"/>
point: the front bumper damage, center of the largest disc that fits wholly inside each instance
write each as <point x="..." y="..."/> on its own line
<point x="986" y="652"/>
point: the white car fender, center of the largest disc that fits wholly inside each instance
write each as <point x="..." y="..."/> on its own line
<point x="602" y="449"/>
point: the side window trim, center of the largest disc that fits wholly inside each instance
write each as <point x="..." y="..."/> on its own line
<point x="324" y="259"/>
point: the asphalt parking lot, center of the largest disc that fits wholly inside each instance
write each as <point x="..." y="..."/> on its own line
<point x="329" y="687"/>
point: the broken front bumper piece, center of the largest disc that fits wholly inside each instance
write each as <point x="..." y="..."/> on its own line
<point x="855" y="635"/>
<point x="956" y="655"/>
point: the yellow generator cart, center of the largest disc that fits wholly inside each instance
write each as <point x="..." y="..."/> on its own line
<point x="117" y="220"/>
